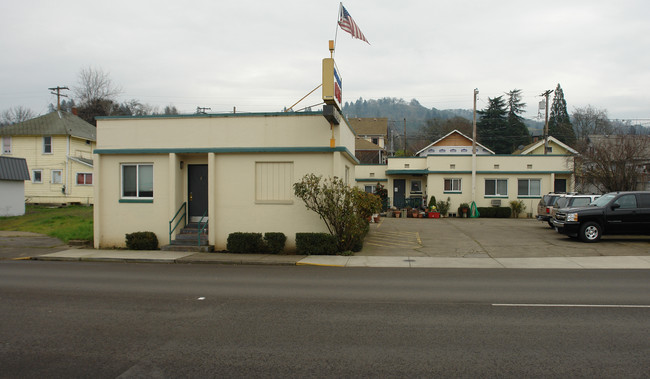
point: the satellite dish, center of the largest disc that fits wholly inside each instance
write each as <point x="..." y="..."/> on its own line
<point x="520" y="147"/>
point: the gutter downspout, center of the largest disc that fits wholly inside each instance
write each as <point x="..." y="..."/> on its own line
<point x="67" y="165"/>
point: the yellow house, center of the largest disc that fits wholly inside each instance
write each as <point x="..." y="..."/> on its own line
<point x="235" y="171"/>
<point x="487" y="179"/>
<point x="58" y="148"/>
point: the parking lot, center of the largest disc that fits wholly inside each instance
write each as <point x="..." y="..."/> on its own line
<point x="488" y="237"/>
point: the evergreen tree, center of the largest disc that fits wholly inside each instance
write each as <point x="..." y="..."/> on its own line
<point x="516" y="127"/>
<point x="559" y="123"/>
<point x="492" y="128"/>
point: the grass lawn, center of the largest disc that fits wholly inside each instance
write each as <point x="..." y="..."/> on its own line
<point x="65" y="223"/>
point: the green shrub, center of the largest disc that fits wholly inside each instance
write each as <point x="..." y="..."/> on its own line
<point x="274" y="242"/>
<point x="517" y="207"/>
<point x="494" y="212"/>
<point x="344" y="209"/>
<point x="315" y="244"/>
<point x="443" y="206"/>
<point x="141" y="241"/>
<point x="245" y="243"/>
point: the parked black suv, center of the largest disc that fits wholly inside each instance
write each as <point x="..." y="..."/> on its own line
<point x="612" y="213"/>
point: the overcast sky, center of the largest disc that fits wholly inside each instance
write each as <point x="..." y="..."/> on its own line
<point x="261" y="56"/>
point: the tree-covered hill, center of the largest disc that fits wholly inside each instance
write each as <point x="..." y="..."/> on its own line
<point x="416" y="115"/>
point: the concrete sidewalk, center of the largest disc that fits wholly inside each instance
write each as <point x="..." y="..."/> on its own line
<point x="599" y="262"/>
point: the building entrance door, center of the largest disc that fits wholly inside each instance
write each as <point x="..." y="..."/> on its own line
<point x="197" y="191"/>
<point x="399" y="193"/>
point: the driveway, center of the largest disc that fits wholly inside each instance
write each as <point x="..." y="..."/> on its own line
<point x="16" y="245"/>
<point x="488" y="237"/>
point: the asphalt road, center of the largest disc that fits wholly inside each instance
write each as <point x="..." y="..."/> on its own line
<point x="109" y="320"/>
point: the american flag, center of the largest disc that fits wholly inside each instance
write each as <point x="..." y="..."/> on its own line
<point x="347" y="24"/>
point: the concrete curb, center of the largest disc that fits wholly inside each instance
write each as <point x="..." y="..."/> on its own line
<point x="126" y="256"/>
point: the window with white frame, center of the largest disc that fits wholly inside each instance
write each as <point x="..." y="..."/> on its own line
<point x="452" y="185"/>
<point x="37" y="176"/>
<point x="416" y="186"/>
<point x="529" y="187"/>
<point x="496" y="187"/>
<point x="137" y="181"/>
<point x="84" y="178"/>
<point x="274" y="182"/>
<point x="370" y="188"/>
<point x="47" y="145"/>
<point x="6" y="145"/>
<point x="56" y="177"/>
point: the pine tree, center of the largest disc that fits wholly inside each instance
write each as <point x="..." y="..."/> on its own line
<point x="492" y="129"/>
<point x="516" y="128"/>
<point x="559" y="123"/>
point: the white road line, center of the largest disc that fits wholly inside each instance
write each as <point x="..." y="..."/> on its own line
<point x="574" y="305"/>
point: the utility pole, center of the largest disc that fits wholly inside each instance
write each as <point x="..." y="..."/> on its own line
<point x="546" y="94"/>
<point x="58" y="95"/>
<point x="474" y="149"/>
<point x="404" y="136"/>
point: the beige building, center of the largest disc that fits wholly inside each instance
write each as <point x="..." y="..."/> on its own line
<point x="236" y="170"/>
<point x="497" y="179"/>
<point x="58" y="148"/>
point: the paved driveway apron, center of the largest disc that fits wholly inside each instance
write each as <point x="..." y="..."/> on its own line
<point x="484" y="237"/>
<point x="16" y="245"/>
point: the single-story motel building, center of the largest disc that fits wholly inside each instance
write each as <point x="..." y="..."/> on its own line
<point x="238" y="171"/>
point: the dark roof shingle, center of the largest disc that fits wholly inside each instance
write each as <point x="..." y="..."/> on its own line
<point x="52" y="124"/>
<point x="13" y="169"/>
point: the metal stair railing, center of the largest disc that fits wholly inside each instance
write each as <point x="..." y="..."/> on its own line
<point x="202" y="228"/>
<point x="183" y="217"/>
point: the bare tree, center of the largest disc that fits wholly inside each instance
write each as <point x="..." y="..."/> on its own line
<point x="591" y="121"/>
<point x="95" y="85"/>
<point x="15" y="115"/>
<point x="613" y="162"/>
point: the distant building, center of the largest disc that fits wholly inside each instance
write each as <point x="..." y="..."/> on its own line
<point x="454" y="142"/>
<point x="371" y="134"/>
<point x="58" y="148"/>
<point x="13" y="173"/>
<point x="444" y="170"/>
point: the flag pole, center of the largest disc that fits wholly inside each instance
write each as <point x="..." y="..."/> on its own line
<point x="336" y="30"/>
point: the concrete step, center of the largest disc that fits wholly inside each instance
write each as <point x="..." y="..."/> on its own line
<point x="194" y="248"/>
<point x="191" y="237"/>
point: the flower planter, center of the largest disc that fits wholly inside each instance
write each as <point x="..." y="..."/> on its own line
<point x="433" y="214"/>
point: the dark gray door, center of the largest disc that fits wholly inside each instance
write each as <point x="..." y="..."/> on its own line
<point x="197" y="188"/>
<point x="560" y="186"/>
<point x="399" y="193"/>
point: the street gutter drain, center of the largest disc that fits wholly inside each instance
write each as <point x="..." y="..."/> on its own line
<point x="409" y="260"/>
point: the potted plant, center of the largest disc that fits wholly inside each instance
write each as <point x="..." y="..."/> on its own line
<point x="431" y="208"/>
<point x="463" y="210"/>
<point x="443" y="206"/>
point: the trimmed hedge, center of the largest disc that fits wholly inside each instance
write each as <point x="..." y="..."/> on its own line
<point x="253" y="243"/>
<point x="141" y="241"/>
<point x="494" y="212"/>
<point x="245" y="243"/>
<point x="275" y="242"/>
<point x="315" y="244"/>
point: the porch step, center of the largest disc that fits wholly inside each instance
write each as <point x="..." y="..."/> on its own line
<point x="193" y="248"/>
<point x="188" y="240"/>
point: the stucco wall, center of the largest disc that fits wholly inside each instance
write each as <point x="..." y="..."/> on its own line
<point x="232" y="204"/>
<point x="233" y="207"/>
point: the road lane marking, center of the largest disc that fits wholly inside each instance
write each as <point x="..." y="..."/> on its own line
<point x="574" y="305"/>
